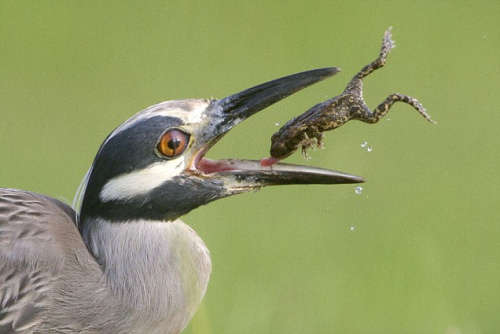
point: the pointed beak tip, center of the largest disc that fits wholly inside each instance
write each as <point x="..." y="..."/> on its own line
<point x="359" y="180"/>
<point x="346" y="179"/>
<point x="335" y="70"/>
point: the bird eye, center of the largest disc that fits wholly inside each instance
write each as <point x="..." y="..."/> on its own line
<point x="173" y="142"/>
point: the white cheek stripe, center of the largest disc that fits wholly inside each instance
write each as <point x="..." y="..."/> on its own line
<point x="142" y="181"/>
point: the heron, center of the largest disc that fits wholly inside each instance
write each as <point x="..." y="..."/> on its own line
<point x="123" y="261"/>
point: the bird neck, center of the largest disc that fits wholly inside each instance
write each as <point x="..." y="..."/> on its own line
<point x="157" y="267"/>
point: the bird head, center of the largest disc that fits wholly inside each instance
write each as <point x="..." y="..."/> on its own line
<point x="153" y="166"/>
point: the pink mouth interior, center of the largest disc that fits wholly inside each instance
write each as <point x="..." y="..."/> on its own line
<point x="208" y="166"/>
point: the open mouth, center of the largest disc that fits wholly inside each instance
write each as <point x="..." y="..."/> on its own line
<point x="209" y="166"/>
<point x="270" y="171"/>
<point x="226" y="113"/>
<point x="236" y="166"/>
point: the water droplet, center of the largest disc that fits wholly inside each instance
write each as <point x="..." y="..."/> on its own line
<point x="367" y="147"/>
<point x="358" y="190"/>
<point x="277" y="124"/>
<point x="388" y="119"/>
<point x="352" y="228"/>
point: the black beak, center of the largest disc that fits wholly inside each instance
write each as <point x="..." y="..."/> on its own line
<point x="249" y="101"/>
<point x="242" y="175"/>
<point x="235" y="108"/>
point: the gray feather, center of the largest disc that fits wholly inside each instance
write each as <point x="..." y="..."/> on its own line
<point x="51" y="283"/>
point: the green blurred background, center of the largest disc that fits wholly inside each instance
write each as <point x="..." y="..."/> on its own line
<point x="417" y="252"/>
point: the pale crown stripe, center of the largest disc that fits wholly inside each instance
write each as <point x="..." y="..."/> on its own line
<point x="174" y="108"/>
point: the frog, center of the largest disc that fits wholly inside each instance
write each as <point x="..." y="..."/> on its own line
<point x="306" y="131"/>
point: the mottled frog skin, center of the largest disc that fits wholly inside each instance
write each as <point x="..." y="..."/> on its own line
<point x="306" y="130"/>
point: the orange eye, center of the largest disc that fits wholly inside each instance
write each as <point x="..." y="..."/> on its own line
<point x="173" y="143"/>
